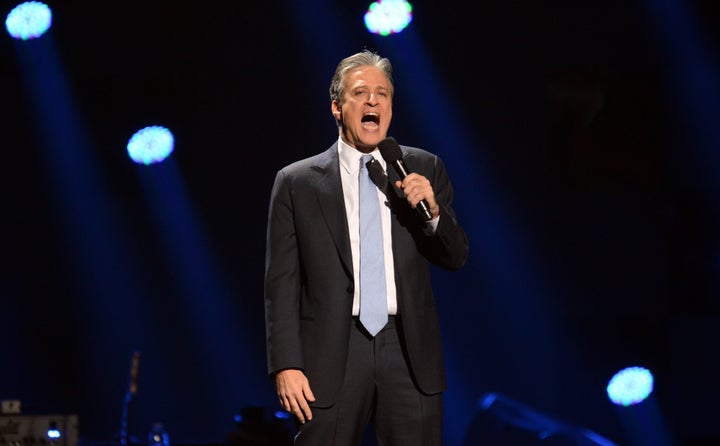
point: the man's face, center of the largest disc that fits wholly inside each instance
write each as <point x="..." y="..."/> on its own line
<point x="366" y="108"/>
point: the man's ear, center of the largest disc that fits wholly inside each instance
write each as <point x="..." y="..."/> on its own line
<point x="336" y="111"/>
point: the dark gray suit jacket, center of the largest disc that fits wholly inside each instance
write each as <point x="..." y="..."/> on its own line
<point x="309" y="280"/>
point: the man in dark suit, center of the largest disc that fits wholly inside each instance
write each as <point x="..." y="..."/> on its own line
<point x="330" y="371"/>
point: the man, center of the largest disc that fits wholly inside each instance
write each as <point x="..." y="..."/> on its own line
<point x="330" y="371"/>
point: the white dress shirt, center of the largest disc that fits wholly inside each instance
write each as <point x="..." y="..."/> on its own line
<point x="349" y="169"/>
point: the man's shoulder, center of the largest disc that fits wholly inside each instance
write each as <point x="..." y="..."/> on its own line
<point x="318" y="160"/>
<point x="416" y="152"/>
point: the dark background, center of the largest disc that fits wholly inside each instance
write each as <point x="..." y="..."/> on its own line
<point x="580" y="136"/>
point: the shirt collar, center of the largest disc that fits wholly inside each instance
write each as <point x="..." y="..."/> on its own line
<point x="350" y="157"/>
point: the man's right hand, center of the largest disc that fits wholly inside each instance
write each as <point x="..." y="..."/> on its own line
<point x="293" y="389"/>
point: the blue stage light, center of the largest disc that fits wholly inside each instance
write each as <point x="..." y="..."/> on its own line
<point x="281" y="415"/>
<point x="150" y="145"/>
<point x="28" y="20"/>
<point x="630" y="386"/>
<point x="386" y="17"/>
<point x="53" y="432"/>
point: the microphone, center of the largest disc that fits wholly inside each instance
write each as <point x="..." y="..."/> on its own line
<point x="378" y="175"/>
<point x="391" y="152"/>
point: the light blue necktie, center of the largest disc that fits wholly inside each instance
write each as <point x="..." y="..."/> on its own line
<point x="373" y="298"/>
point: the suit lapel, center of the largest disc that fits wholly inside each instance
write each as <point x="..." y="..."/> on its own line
<point x="328" y="189"/>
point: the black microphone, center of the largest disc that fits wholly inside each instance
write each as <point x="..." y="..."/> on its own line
<point x="391" y="152"/>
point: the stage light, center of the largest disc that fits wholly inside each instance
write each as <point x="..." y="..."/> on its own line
<point x="504" y="421"/>
<point x="150" y="145"/>
<point x="386" y="17"/>
<point x="53" y="432"/>
<point x="256" y="426"/>
<point x="281" y="415"/>
<point x="630" y="386"/>
<point x="28" y="20"/>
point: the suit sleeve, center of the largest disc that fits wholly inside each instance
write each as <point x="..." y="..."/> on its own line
<point x="282" y="281"/>
<point x="448" y="247"/>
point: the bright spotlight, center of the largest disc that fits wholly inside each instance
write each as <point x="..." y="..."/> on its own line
<point x="150" y="145"/>
<point x="53" y="432"/>
<point x="386" y="17"/>
<point x="630" y="386"/>
<point x="28" y="20"/>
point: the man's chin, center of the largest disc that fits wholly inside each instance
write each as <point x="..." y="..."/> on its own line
<point x="372" y="142"/>
<point x="367" y="143"/>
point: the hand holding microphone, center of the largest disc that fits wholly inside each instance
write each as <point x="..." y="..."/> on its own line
<point x="417" y="188"/>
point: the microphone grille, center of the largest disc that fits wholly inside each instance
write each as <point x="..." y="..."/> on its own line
<point x="390" y="150"/>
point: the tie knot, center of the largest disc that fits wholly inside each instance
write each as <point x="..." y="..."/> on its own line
<point x="364" y="160"/>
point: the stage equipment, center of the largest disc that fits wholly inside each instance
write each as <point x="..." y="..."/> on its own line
<point x="502" y="421"/>
<point x="39" y="430"/>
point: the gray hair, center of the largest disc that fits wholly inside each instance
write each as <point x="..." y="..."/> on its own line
<point x="361" y="59"/>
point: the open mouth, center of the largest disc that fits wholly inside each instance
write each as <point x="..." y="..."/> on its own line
<point x="370" y="117"/>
